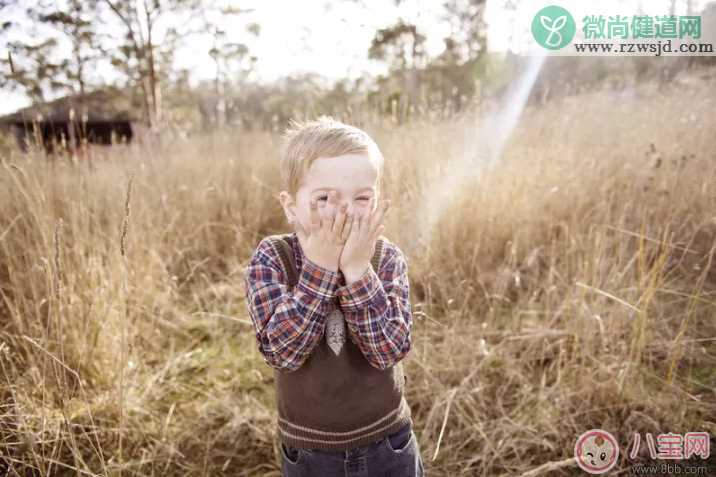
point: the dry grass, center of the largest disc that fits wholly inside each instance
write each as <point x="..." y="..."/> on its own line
<point x="576" y="281"/>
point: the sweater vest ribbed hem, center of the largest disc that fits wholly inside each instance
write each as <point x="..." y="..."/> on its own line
<point x="298" y="436"/>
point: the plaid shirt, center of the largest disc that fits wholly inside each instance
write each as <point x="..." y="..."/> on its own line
<point x="290" y="323"/>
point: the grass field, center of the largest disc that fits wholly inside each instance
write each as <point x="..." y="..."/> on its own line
<point x="572" y="287"/>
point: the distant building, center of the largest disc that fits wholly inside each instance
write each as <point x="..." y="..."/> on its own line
<point x="101" y="117"/>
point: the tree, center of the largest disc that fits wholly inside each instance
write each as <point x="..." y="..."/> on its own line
<point x="31" y="65"/>
<point x="231" y="59"/>
<point x="403" y="48"/>
<point x="29" y="68"/>
<point x="144" y="44"/>
<point x="75" y="23"/>
<point x="137" y="54"/>
<point x="400" y="45"/>
<point x="468" y="27"/>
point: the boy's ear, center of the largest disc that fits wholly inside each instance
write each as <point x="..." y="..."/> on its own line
<point x="289" y="206"/>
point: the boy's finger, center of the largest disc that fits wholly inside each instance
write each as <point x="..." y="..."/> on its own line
<point x="331" y="209"/>
<point x="378" y="217"/>
<point x="315" y="216"/>
<point x="358" y="224"/>
<point x="369" y="209"/>
<point x="379" y="230"/>
<point x="340" y="219"/>
<point x="326" y="218"/>
<point x="370" y="214"/>
<point x="375" y="221"/>
<point x="332" y="201"/>
<point x="348" y="228"/>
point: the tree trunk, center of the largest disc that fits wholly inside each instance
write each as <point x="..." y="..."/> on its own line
<point x="153" y="83"/>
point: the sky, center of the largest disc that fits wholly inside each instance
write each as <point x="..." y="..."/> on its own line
<point x="332" y="37"/>
<point x="328" y="37"/>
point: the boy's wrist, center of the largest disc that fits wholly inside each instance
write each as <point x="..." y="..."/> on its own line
<point x="318" y="264"/>
<point x="317" y="281"/>
<point x="353" y="273"/>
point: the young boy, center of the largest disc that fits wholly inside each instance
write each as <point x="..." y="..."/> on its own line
<point x="330" y="306"/>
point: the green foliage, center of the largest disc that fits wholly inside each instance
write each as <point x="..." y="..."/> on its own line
<point x="400" y="45"/>
<point x="29" y="68"/>
<point x="494" y="71"/>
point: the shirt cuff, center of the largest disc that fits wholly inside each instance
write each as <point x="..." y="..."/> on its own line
<point x="316" y="281"/>
<point x="359" y="293"/>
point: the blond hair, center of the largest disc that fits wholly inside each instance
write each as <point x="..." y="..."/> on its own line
<point x="304" y="142"/>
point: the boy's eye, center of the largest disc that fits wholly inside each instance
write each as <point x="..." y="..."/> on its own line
<point x="325" y="197"/>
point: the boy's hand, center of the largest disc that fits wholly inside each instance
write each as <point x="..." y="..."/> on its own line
<point x="360" y="246"/>
<point x="327" y="233"/>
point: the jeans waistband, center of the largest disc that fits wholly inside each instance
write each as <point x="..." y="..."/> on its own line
<point x="362" y="450"/>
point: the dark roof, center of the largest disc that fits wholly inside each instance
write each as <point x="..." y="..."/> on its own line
<point x="105" y="105"/>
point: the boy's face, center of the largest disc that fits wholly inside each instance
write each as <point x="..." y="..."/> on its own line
<point x="354" y="178"/>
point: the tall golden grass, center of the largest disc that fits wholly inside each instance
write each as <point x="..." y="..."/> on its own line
<point x="571" y="287"/>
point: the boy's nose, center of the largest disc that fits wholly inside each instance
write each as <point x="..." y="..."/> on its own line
<point x="351" y="206"/>
<point x="342" y="203"/>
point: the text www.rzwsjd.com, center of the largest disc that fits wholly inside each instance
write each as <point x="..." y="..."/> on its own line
<point x="657" y="49"/>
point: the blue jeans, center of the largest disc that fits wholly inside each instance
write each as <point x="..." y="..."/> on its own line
<point x="397" y="455"/>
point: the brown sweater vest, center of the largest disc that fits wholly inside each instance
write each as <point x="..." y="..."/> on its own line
<point x="338" y="402"/>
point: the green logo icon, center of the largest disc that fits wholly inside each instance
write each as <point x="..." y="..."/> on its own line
<point x="553" y="27"/>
